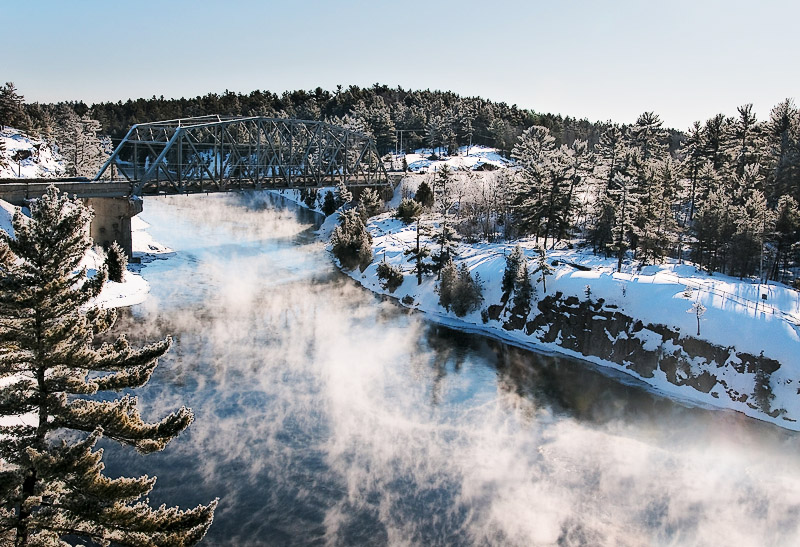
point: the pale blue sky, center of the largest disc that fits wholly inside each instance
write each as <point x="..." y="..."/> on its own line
<point x="686" y="60"/>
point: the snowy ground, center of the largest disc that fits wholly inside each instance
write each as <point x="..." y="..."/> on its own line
<point x="479" y="157"/>
<point x="735" y="314"/>
<point x="41" y="160"/>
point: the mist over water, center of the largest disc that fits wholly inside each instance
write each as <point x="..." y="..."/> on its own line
<point x="325" y="415"/>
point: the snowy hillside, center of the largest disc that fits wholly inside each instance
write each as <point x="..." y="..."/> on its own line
<point x="736" y="314"/>
<point x="474" y="158"/>
<point x="28" y="157"/>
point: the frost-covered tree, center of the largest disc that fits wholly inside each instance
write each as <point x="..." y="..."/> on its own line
<point x="540" y="197"/>
<point x="116" y="263"/>
<point x="343" y="194"/>
<point x="697" y="309"/>
<point x="408" y="210"/>
<point x="3" y="157"/>
<point x="448" y="277"/>
<point x="783" y="145"/>
<point x="511" y="273"/>
<point x="79" y="143"/>
<point x="524" y="291"/>
<point x="467" y="293"/>
<point x="52" y="483"/>
<point x="351" y="242"/>
<point x="370" y="203"/>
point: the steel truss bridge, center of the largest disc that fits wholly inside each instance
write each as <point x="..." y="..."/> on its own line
<point x="219" y="154"/>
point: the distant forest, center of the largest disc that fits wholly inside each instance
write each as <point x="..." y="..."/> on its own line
<point x="726" y="190"/>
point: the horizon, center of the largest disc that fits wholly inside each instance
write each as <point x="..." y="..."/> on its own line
<point x="685" y="62"/>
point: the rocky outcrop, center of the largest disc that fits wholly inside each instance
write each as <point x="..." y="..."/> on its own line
<point x="594" y="328"/>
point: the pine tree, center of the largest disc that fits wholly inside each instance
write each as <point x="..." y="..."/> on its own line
<point x="11" y="111"/>
<point x="787" y="233"/>
<point x="370" y="202"/>
<point x="408" y="210"/>
<point x="350" y="240"/>
<point x="524" y="292"/>
<point x="543" y="268"/>
<point x="329" y="204"/>
<point x="447" y="284"/>
<point x="343" y="194"/>
<point x="52" y="481"/>
<point x="424" y="194"/>
<point x="79" y="143"/>
<point x="466" y="295"/>
<point x="511" y="273"/>
<point x="116" y="263"/>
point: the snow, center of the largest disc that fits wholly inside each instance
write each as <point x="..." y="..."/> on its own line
<point x="43" y="160"/>
<point x="735" y="315"/>
<point x="478" y="156"/>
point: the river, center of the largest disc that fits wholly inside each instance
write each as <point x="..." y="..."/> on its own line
<point x="327" y="415"/>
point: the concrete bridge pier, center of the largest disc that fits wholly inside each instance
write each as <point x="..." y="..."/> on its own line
<point x="112" y="221"/>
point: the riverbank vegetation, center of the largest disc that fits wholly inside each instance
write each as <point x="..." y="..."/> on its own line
<point x="56" y="385"/>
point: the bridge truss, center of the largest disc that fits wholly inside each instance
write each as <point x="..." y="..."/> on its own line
<point x="217" y="154"/>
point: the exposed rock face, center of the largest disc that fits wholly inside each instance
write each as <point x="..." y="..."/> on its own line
<point x="595" y="329"/>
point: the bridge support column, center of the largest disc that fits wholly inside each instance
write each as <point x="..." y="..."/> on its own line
<point x="112" y="221"/>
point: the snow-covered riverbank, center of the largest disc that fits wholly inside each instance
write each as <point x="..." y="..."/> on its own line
<point x="741" y="317"/>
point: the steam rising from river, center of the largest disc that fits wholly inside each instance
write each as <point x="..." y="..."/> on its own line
<point x="325" y="415"/>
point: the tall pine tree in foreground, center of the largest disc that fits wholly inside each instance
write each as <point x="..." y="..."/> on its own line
<point x="51" y="480"/>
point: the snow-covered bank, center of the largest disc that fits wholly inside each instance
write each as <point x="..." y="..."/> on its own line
<point x="133" y="289"/>
<point x="737" y="321"/>
<point x="28" y="157"/>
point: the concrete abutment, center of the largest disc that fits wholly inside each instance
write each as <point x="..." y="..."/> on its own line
<point x="112" y="221"/>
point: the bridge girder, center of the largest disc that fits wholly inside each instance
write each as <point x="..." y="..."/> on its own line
<point x="217" y="154"/>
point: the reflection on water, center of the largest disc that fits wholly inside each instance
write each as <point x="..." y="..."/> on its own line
<point x="326" y="415"/>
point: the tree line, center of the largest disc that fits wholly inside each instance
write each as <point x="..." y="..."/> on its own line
<point x="727" y="197"/>
<point x="426" y="118"/>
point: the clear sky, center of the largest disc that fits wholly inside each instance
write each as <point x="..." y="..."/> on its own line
<point x="686" y="60"/>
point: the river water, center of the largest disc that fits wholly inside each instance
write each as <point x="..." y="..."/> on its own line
<point x="327" y="415"/>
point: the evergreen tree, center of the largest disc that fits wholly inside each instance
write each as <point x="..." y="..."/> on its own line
<point x="787" y="235"/>
<point x="11" y="110"/>
<point x="447" y="283"/>
<point x="466" y="295"/>
<point x="52" y="481"/>
<point x="329" y="204"/>
<point x="445" y="202"/>
<point x="408" y="210"/>
<point x="350" y="240"/>
<point x="116" y="263"/>
<point x="656" y="228"/>
<point x="343" y="194"/>
<point x="511" y="273"/>
<point x="424" y="194"/>
<point x="611" y="151"/>
<point x="370" y="202"/>
<point x="524" y="292"/>
<point x="543" y="268"/>
<point x="744" y="140"/>
<point x="783" y="138"/>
